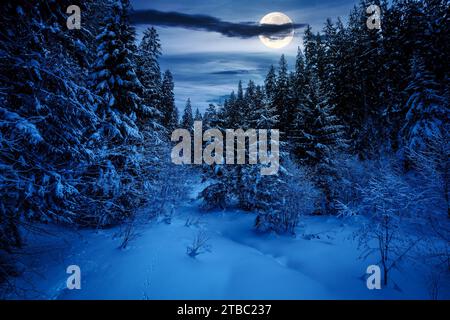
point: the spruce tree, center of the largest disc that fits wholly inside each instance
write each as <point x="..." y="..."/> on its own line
<point x="270" y="83"/>
<point x="210" y="118"/>
<point x="240" y="109"/>
<point x="281" y="99"/>
<point x="331" y="49"/>
<point x="265" y="114"/>
<point x="320" y="138"/>
<point x="187" y="121"/>
<point x="231" y="114"/>
<point x="126" y="129"/>
<point x="114" y="78"/>
<point x="149" y="72"/>
<point x="198" y="116"/>
<point x="46" y="113"/>
<point x="174" y="120"/>
<point x="428" y="112"/>
<point x="167" y="102"/>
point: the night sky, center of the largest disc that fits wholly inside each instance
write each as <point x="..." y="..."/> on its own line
<point x="206" y="62"/>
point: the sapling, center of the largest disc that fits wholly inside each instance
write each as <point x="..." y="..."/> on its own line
<point x="386" y="199"/>
<point x="199" y="245"/>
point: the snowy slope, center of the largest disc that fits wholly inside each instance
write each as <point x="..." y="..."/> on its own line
<point x="320" y="263"/>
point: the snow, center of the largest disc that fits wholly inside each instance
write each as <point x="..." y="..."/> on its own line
<point x="22" y="125"/>
<point x="321" y="262"/>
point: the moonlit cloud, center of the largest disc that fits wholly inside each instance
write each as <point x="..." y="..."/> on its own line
<point x="211" y="24"/>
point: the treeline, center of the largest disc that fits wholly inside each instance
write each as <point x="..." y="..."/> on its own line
<point x="356" y="92"/>
<point x="84" y="116"/>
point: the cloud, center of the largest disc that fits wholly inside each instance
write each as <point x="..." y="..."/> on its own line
<point x="231" y="72"/>
<point x="212" y="24"/>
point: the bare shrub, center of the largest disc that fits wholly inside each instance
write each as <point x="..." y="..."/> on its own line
<point x="199" y="245"/>
<point x="386" y="201"/>
<point x="127" y="233"/>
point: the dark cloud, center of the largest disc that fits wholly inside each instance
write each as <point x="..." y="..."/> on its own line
<point x="231" y="72"/>
<point x="208" y="23"/>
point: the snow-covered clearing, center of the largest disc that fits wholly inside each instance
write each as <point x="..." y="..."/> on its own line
<point x="321" y="262"/>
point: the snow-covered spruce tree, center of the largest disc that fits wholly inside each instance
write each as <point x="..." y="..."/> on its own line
<point x="215" y="197"/>
<point x="319" y="136"/>
<point x="314" y="55"/>
<point x="253" y="99"/>
<point x="368" y="81"/>
<point x="347" y="60"/>
<point x="301" y="77"/>
<point x="402" y="35"/>
<point x="114" y="77"/>
<point x="167" y="103"/>
<point x="225" y="178"/>
<point x="266" y="116"/>
<point x="45" y="111"/>
<point x="45" y="115"/>
<point x="239" y="114"/>
<point x="149" y="73"/>
<point x="276" y="198"/>
<point x="299" y="88"/>
<point x="240" y="179"/>
<point x="282" y="100"/>
<point x="428" y="112"/>
<point x="219" y="193"/>
<point x="282" y="199"/>
<point x="187" y="121"/>
<point x="239" y="109"/>
<point x="210" y="118"/>
<point x="270" y="83"/>
<point x="174" y="119"/>
<point x="126" y="125"/>
<point x="247" y="179"/>
<point x="437" y="38"/>
<point x="198" y="116"/>
<point x="330" y="55"/>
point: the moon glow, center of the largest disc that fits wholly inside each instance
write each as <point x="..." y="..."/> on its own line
<point x="276" y="41"/>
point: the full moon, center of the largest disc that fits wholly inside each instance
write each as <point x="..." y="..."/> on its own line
<point x="276" y="41"/>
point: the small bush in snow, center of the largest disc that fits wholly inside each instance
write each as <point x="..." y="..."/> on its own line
<point x="127" y="234"/>
<point x="199" y="245"/>
<point x="294" y="196"/>
<point x="353" y="174"/>
<point x="214" y="196"/>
